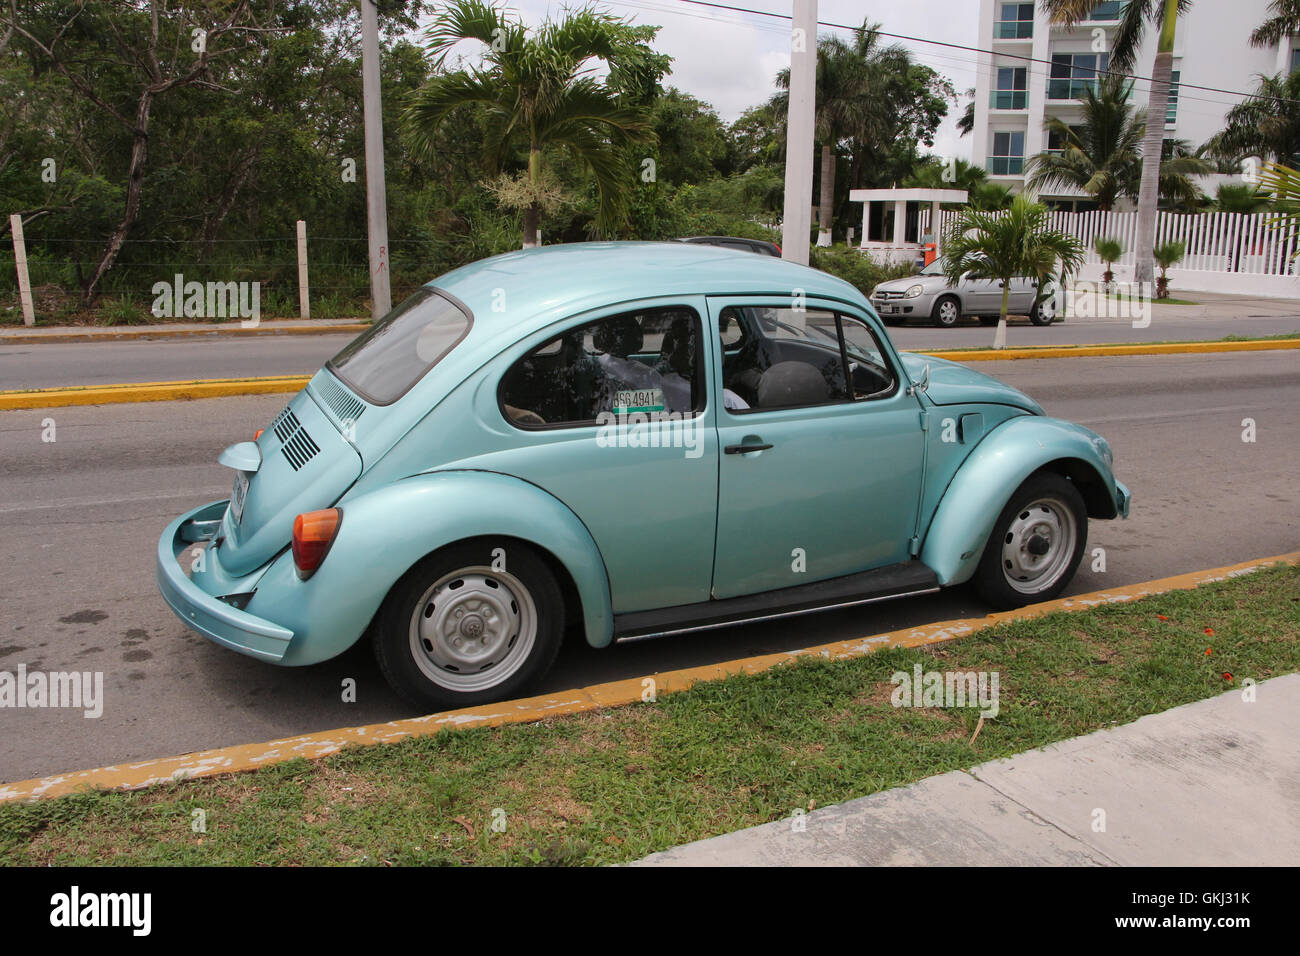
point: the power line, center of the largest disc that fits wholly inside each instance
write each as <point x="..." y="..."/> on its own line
<point x="976" y="49"/>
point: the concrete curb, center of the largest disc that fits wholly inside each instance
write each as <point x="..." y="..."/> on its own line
<point x="1098" y="351"/>
<point x="206" y="763"/>
<point x="131" y="335"/>
<point x="221" y="388"/>
<point x="150" y="392"/>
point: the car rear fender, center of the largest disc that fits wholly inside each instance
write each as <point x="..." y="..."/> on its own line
<point x="384" y="532"/>
<point x="982" y="486"/>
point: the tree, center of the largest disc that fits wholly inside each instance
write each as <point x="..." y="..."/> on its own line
<point x="966" y="122"/>
<point x="1167" y="255"/>
<point x="1265" y="125"/>
<point x="1163" y="15"/>
<point x="1005" y="245"/>
<point x="930" y="172"/>
<point x="1103" y="156"/>
<point x="1108" y="250"/>
<point x="536" y="91"/>
<point x="878" y="100"/>
<point x="1285" y="21"/>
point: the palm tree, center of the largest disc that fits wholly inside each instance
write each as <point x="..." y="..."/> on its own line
<point x="1108" y="251"/>
<point x="1137" y="14"/>
<point x="1004" y="245"/>
<point x="1284" y="22"/>
<point x="1244" y="199"/>
<point x="1103" y="156"/>
<point x="1265" y="125"/>
<point x="535" y="90"/>
<point x="843" y="107"/>
<point x="1166" y="254"/>
<point x="1099" y="156"/>
<point x="966" y="122"/>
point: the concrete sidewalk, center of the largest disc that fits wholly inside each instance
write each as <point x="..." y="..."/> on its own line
<point x="28" y="335"/>
<point x="1215" y="782"/>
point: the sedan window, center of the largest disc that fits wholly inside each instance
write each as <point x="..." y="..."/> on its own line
<point x="383" y="363"/>
<point x="635" y="363"/>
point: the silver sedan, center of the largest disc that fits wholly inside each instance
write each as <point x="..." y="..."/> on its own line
<point x="928" y="295"/>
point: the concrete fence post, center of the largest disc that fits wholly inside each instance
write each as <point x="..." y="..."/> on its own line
<point x="304" y="298"/>
<point x="20" y="262"/>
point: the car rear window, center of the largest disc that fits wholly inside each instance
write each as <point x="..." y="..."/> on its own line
<point x="392" y="355"/>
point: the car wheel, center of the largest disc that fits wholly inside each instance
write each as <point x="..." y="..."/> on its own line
<point x="1036" y="545"/>
<point x="947" y="312"/>
<point x="1042" y="316"/>
<point x="987" y="320"/>
<point x="470" y="624"/>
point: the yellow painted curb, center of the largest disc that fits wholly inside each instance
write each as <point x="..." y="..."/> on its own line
<point x="150" y="391"/>
<point x="1096" y="351"/>
<point x="126" y="335"/>
<point x="206" y="763"/>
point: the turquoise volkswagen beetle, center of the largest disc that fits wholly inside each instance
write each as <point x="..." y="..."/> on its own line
<point x="622" y="440"/>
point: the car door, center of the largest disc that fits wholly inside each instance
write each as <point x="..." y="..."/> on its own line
<point x="981" y="296"/>
<point x="613" y="418"/>
<point x="1022" y="295"/>
<point x="812" y="484"/>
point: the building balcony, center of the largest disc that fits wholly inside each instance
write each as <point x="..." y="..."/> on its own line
<point x="1009" y="99"/>
<point x="1005" y="165"/>
<point x="1013" y="29"/>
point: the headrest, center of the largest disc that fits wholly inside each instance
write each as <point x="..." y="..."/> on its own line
<point x="620" y="336"/>
<point x="791" y="383"/>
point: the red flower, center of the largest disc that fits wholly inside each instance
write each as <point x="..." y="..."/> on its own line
<point x="1210" y="631"/>
<point x="1227" y="676"/>
<point x="1161" y="617"/>
<point x="1208" y="652"/>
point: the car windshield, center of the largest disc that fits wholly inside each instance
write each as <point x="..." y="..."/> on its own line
<point x="933" y="269"/>
<point x="392" y="355"/>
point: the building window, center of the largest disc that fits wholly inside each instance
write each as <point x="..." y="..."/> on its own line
<point x="1016" y="23"/>
<point x="1295" y="59"/>
<point x="1010" y="93"/>
<point x="1110" y="10"/>
<point x="1171" y="107"/>
<point x="1073" y="73"/>
<point x="1008" y="156"/>
<point x="1057" y="140"/>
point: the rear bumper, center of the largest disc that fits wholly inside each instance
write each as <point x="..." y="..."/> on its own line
<point x="1123" y="499"/>
<point x="203" y="612"/>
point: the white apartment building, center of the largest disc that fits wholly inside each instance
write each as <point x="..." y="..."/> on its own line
<point x="1013" y="97"/>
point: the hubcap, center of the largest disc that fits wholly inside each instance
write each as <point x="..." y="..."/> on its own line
<point x="1038" y="546"/>
<point x="472" y="629"/>
<point x="948" y="312"/>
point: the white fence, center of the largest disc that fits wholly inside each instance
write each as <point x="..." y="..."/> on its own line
<point x="1225" y="252"/>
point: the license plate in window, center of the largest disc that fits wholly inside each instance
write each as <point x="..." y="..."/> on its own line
<point x="237" y="495"/>
<point x="627" y="401"/>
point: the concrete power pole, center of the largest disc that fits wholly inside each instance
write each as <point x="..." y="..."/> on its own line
<point x="381" y="296"/>
<point x="797" y="219"/>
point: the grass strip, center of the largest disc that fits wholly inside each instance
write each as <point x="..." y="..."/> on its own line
<point x="612" y="786"/>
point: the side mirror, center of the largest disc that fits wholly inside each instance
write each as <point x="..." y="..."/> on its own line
<point x="923" y="384"/>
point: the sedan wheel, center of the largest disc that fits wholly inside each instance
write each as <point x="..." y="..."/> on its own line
<point x="1043" y="313"/>
<point x="470" y="624"/>
<point x="947" y="312"/>
<point x="1037" y="544"/>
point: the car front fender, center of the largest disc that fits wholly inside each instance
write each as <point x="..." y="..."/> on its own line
<point x="982" y="486"/>
<point x="384" y="532"/>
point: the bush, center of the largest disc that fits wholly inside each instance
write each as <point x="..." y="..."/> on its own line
<point x="856" y="267"/>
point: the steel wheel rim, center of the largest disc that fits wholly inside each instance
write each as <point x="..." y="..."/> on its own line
<point x="1038" y="545"/>
<point x="473" y="629"/>
<point x="948" y="312"/>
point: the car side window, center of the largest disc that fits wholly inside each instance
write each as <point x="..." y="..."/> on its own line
<point x="793" y="358"/>
<point x="644" y="362"/>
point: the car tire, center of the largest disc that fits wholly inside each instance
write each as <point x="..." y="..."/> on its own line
<point x="470" y="624"/>
<point x="1036" y="544"/>
<point x="946" y="312"/>
<point x="988" y="320"/>
<point x="1038" y="317"/>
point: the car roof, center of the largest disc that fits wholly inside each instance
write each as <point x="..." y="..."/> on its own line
<point x="521" y="292"/>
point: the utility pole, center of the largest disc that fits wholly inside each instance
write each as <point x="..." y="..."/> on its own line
<point x="797" y="218"/>
<point x="381" y="296"/>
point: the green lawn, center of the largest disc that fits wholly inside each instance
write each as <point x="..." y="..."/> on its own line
<point x="612" y="786"/>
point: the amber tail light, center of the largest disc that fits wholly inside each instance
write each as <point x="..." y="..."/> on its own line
<point x="313" y="533"/>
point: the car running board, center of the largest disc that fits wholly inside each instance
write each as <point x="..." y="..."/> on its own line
<point x="866" y="587"/>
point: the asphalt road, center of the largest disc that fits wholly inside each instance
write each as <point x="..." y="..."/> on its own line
<point x="80" y="518"/>
<point x="101" y="363"/>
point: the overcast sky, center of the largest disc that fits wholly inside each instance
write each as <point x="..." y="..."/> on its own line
<point x="730" y="59"/>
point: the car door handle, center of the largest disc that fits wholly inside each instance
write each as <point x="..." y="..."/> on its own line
<point x="744" y="449"/>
